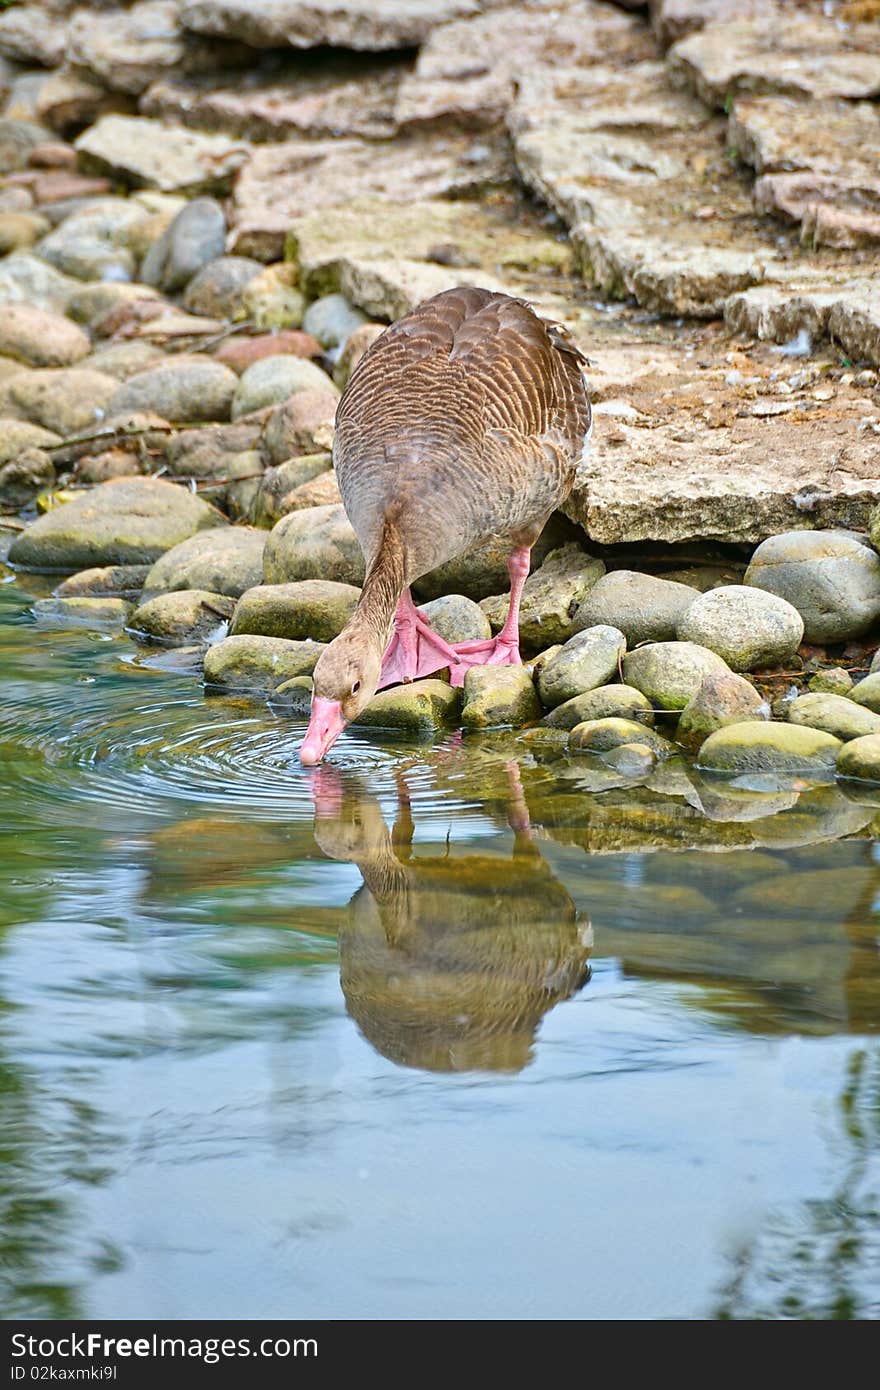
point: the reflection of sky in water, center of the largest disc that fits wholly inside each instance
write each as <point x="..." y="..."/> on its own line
<point x="195" y="1125"/>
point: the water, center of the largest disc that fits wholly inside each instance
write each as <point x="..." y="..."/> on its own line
<point x="437" y="1032"/>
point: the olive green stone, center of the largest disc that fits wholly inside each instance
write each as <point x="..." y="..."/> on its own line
<point x="420" y="707"/>
<point x="758" y="746"/>
<point x="258" y="663"/>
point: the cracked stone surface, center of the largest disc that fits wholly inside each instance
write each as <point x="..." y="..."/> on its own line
<point x="803" y="55"/>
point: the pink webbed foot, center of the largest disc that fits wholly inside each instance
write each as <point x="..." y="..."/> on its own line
<point x="415" y="649"/>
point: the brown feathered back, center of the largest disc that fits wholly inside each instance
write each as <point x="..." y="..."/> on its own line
<point x="466" y="419"/>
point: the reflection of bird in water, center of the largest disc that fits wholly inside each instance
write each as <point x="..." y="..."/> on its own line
<point x="448" y="963"/>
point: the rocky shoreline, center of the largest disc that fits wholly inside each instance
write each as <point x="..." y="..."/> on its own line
<point x="206" y="216"/>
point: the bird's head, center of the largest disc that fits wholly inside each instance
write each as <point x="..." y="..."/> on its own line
<point x="345" y="681"/>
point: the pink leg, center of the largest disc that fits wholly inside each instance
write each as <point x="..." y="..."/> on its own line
<point x="415" y="649"/>
<point x="502" y="650"/>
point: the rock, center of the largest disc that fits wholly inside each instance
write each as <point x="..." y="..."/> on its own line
<point x="834" y="680"/>
<point x="122" y="360"/>
<point x="41" y="339"/>
<point x="294" y="696"/>
<point x="658" y="480"/>
<point x="839" y="211"/>
<point x="217" y="290"/>
<point x="753" y="746"/>
<point x="606" y="702"/>
<point x="499" y="695"/>
<point x="419" y="707"/>
<point x="25" y="279"/>
<point x="331" y="319"/>
<point x="258" y="664"/>
<point x="33" y="34"/>
<point x="65" y="400"/>
<point x="867" y="692"/>
<point x="356" y="344"/>
<point x="721" y="699"/>
<point x="273" y="300"/>
<point x="150" y="154"/>
<point x="17" y="139"/>
<point x="790" y="55"/>
<point x="860" y="759"/>
<point x="271" y="501"/>
<point x="111" y="463"/>
<point x="131" y="521"/>
<point x="241" y="353"/>
<point x="19" y="230"/>
<point x="313" y="608"/>
<point x="832" y="581"/>
<point x="748" y="631"/>
<point x="129" y="49"/>
<point x="433" y="233"/>
<point x="95" y="614"/>
<point x="109" y="581"/>
<point x="289" y="23"/>
<point x="551" y="598"/>
<point x="671" y="673"/>
<point x="674" y="19"/>
<point x="90" y="242"/>
<point x="205" y="452"/>
<point x="457" y="619"/>
<point x="23" y="477"/>
<point x="305" y="424"/>
<point x="281" y="181"/>
<point x="16" y="436"/>
<point x="316" y="543"/>
<point x="603" y="735"/>
<point x="227" y="560"/>
<point x="644" y="608"/>
<point x="195" y="238"/>
<point x="389" y="288"/>
<point x="634" y="761"/>
<point x="185" y="389"/>
<point x="275" y="379"/>
<point x="586" y="660"/>
<point x="320" y="491"/>
<point x="837" y="715"/>
<point x="106" y="307"/>
<point x="184" y="616"/>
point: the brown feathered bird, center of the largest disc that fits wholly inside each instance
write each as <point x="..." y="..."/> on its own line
<point x="466" y="420"/>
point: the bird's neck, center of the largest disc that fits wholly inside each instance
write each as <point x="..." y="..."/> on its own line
<point x="384" y="583"/>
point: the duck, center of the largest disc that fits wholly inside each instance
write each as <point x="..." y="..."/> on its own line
<point x="465" y="421"/>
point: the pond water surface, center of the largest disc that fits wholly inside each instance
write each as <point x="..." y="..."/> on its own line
<point x="437" y="1032"/>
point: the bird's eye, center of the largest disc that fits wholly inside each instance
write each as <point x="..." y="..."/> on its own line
<point x="356" y="687"/>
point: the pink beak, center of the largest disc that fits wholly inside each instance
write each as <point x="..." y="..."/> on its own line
<point x="325" y="726"/>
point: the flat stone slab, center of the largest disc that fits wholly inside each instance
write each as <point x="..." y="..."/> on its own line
<point x="359" y="24"/>
<point x="674" y="19"/>
<point x="817" y="162"/>
<point x="150" y="154"/>
<point x="279" y="181"/>
<point x="445" y="235"/>
<point x="126" y="50"/>
<point x="786" y="53"/>
<point x="780" y="134"/>
<point x="725" y="451"/>
<point x="29" y="35"/>
<point x="640" y="173"/>
<point x="813" y="309"/>
<point x="317" y="101"/>
<point x="447" y="84"/>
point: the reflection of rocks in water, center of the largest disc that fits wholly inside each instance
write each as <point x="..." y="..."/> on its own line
<point x="777" y="944"/>
<point x="448" y="962"/>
